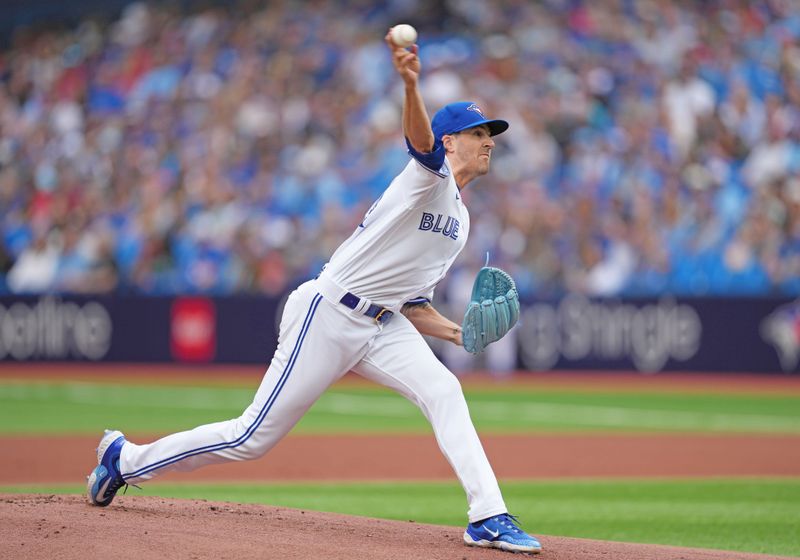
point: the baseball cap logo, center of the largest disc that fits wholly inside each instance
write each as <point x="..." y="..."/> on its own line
<point x="477" y="109"/>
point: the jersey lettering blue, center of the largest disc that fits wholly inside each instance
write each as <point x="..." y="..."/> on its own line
<point x="433" y="223"/>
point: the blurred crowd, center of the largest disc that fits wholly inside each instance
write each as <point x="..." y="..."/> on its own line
<point x="654" y="146"/>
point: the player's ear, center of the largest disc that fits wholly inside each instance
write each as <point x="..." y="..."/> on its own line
<point x="447" y="140"/>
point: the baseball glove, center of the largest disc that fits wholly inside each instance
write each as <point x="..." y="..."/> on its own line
<point x="494" y="309"/>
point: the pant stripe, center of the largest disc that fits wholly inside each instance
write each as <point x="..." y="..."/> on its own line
<point x="260" y="418"/>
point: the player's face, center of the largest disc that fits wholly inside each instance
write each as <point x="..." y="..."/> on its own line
<point x="472" y="149"/>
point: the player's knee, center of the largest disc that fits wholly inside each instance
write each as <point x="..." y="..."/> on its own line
<point x="250" y="443"/>
<point x="251" y="448"/>
<point x="445" y="388"/>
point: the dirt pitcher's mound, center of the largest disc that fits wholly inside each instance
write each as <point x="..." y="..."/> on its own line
<point x="65" y="527"/>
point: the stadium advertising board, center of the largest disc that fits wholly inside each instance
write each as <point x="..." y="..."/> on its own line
<point x="648" y="335"/>
<point x="651" y="335"/>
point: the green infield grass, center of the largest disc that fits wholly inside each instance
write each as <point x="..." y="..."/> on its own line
<point x="753" y="515"/>
<point x="84" y="407"/>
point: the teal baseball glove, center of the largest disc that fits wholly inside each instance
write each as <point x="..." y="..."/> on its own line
<point x="494" y="309"/>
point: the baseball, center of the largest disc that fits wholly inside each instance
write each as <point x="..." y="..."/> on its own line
<point x="404" y="35"/>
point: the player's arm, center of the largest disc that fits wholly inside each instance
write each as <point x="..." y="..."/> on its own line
<point x="416" y="124"/>
<point x="430" y="322"/>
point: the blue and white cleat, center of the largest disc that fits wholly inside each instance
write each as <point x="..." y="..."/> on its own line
<point x="501" y="532"/>
<point x="105" y="480"/>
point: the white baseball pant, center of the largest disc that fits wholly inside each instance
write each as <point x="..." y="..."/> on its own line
<point x="320" y="340"/>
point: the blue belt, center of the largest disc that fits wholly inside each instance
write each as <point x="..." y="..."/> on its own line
<point x="380" y="314"/>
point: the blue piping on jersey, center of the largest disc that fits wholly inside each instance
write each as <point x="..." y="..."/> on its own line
<point x="437" y="173"/>
<point x="261" y="415"/>
<point x="432" y="161"/>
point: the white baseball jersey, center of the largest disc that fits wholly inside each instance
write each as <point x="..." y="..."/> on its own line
<point x="408" y="240"/>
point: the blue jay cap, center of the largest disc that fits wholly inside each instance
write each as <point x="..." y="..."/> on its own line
<point x="456" y="117"/>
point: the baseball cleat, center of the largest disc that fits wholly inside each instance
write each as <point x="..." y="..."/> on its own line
<point x="501" y="532"/>
<point x="105" y="480"/>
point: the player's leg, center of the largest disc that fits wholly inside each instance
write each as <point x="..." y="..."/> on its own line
<point x="400" y="359"/>
<point x="308" y="359"/>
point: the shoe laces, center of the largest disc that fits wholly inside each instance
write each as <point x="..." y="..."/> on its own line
<point x="115" y="485"/>
<point x="118" y="483"/>
<point x="509" y="521"/>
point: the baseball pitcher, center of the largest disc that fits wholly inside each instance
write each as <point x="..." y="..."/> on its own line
<point x="367" y="312"/>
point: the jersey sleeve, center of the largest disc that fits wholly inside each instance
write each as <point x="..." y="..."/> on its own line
<point x="422" y="298"/>
<point x="426" y="176"/>
<point x="433" y="161"/>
